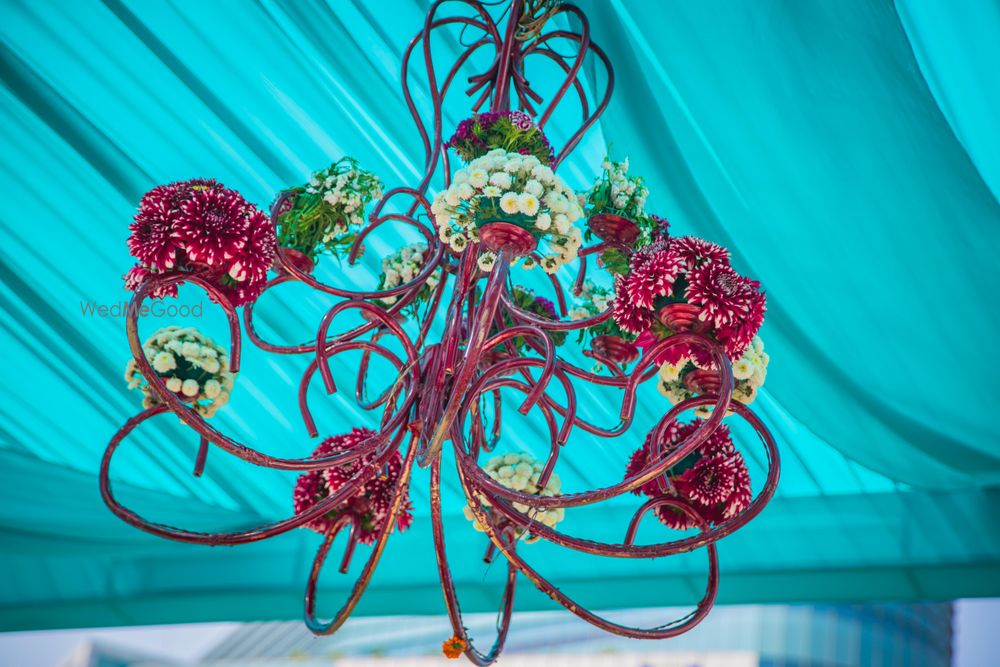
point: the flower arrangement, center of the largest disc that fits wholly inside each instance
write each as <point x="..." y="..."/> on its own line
<point x="687" y="284"/>
<point x="594" y="299"/>
<point x="202" y="226"/>
<point x="191" y="365"/>
<point x="403" y="266"/>
<point x="616" y="206"/>
<point x="322" y="215"/>
<point x="521" y="472"/>
<point x="526" y="299"/>
<point x="513" y="131"/>
<point x="515" y="189"/>
<point x="370" y="505"/>
<point x="714" y="478"/>
<point x="606" y="338"/>
<point x="686" y="378"/>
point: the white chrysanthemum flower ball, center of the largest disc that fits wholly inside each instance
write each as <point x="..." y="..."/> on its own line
<point x="185" y="360"/>
<point x="522" y="472"/>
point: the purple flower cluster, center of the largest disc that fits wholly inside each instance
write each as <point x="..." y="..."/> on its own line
<point x="512" y="131"/>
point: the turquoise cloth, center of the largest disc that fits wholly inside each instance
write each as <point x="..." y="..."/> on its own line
<point x="846" y="152"/>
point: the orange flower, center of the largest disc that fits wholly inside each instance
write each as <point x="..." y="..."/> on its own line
<point x="454" y="647"/>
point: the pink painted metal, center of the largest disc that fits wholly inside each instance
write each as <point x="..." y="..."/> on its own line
<point x="450" y="390"/>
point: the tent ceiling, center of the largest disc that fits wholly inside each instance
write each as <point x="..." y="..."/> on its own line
<point x="843" y="153"/>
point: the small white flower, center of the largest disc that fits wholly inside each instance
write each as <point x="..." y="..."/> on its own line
<point x="671" y="372"/>
<point x="743" y="369"/>
<point x="190" y="388"/>
<point x="492" y="191"/>
<point x="478" y="178"/>
<point x="543" y="221"/>
<point x="562" y="223"/>
<point x="550" y="263"/>
<point x="576" y="314"/>
<point x="557" y="203"/>
<point x="174" y="384"/>
<point x="465" y="190"/>
<point x="527" y="203"/>
<point x="438" y="204"/>
<point x="543" y="173"/>
<point x="513" y="165"/>
<point x="458" y="242"/>
<point x="212" y="388"/>
<point x="534" y="187"/>
<point x="461" y="176"/>
<point x="452" y="197"/>
<point x="445" y="232"/>
<point x="211" y="365"/>
<point x="501" y="180"/>
<point x="486" y="261"/>
<point x="164" y="362"/>
<point x="509" y="203"/>
<point x="442" y="219"/>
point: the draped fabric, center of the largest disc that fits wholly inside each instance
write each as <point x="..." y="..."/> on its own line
<point x="845" y="152"/>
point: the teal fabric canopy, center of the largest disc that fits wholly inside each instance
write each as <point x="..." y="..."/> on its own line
<point x="845" y="152"/>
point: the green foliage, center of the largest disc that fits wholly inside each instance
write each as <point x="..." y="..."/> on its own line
<point x="324" y="215"/>
<point x="615" y="261"/>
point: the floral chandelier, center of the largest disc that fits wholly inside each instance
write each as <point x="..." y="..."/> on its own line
<point x="670" y="310"/>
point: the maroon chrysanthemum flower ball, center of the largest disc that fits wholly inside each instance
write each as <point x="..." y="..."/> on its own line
<point x="713" y="479"/>
<point x="369" y="506"/>
<point x="213" y="226"/>
<point x="696" y="252"/>
<point x="201" y="225"/>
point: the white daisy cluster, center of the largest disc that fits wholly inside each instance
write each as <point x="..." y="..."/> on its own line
<point x="594" y="300"/>
<point x="749" y="372"/>
<point x="615" y="192"/>
<point x="521" y="472"/>
<point x="515" y="188"/>
<point x="403" y="266"/>
<point x="346" y="189"/>
<point x="192" y="366"/>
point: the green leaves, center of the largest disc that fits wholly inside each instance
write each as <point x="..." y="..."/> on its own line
<point x="615" y="261"/>
<point x="323" y="213"/>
